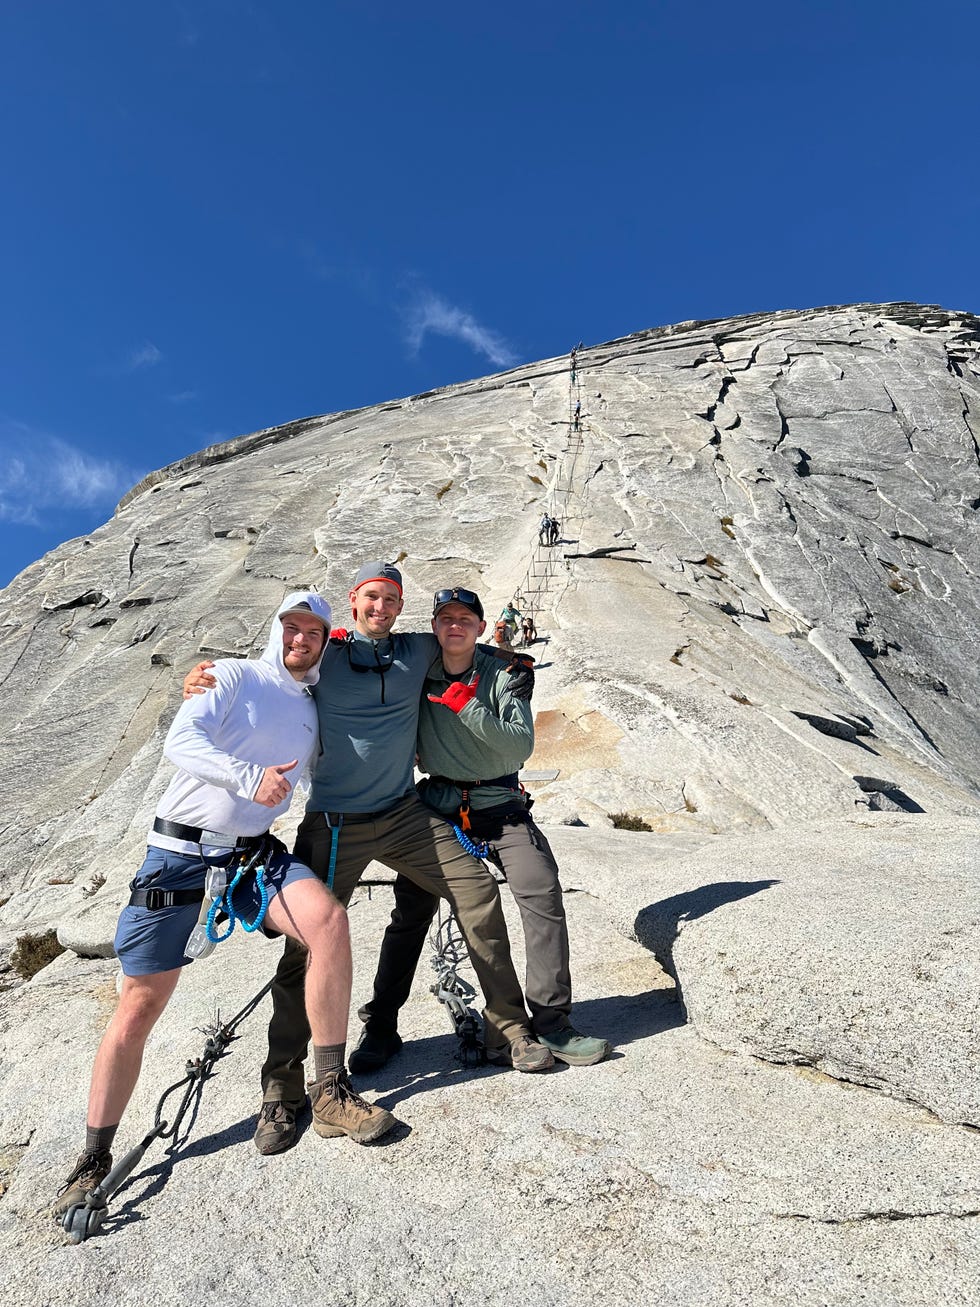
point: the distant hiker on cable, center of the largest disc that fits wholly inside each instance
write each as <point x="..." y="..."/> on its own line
<point x="544" y="530"/>
<point x="363" y="806"/>
<point x="473" y="738"/>
<point x="239" y="751"/>
<point x="502" y="636"/>
<point x="555" y="531"/>
<point x="512" y="616"/>
<point x="529" y="632"/>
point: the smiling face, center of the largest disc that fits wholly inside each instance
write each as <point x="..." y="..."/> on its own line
<point x="457" y="628"/>
<point x="302" y="643"/>
<point x="375" y="607"/>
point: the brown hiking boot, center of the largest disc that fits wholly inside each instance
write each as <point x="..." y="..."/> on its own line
<point x="276" y="1128"/>
<point x="523" y="1054"/>
<point x="338" y="1110"/>
<point x="90" y="1170"/>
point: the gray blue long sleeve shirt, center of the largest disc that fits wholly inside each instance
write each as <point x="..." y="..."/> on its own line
<point x="367" y="701"/>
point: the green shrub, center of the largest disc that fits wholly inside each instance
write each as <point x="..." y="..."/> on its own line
<point x="32" y="952"/>
<point x="626" y="821"/>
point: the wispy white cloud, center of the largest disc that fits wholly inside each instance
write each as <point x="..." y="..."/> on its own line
<point x="182" y="396"/>
<point x="429" y="312"/>
<point x="42" y="477"/>
<point x="144" y="356"/>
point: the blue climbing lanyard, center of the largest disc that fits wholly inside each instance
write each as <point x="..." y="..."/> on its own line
<point x="480" y="850"/>
<point x="334" y="841"/>
<point x="224" y="901"/>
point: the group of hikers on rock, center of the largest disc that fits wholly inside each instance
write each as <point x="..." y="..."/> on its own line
<point x="549" y="530"/>
<point x="506" y="626"/>
<point x="354" y="708"/>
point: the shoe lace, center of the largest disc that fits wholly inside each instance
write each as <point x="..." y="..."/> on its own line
<point x="87" y="1164"/>
<point x="273" y="1112"/>
<point x="347" y="1094"/>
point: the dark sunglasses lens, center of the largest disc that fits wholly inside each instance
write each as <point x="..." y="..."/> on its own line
<point x="448" y="596"/>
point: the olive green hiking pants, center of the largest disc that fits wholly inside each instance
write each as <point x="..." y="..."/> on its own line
<point x="411" y="840"/>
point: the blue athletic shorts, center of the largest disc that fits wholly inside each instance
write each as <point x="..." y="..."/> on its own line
<point x="149" y="940"/>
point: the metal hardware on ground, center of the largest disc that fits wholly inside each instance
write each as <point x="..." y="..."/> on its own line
<point x="85" y="1218"/>
<point x="451" y="989"/>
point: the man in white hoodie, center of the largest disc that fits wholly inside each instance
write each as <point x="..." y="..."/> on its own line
<point x="238" y="752"/>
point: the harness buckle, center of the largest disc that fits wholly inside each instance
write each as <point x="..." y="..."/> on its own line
<point x="155" y="900"/>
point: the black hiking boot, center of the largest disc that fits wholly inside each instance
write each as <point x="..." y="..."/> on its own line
<point x="373" y="1051"/>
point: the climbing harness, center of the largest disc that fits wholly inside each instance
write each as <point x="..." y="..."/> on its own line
<point x="222" y="894"/>
<point x="508" y="782"/>
<point x="85" y="1218"/>
<point x="219" y="896"/>
<point x="452" y="990"/>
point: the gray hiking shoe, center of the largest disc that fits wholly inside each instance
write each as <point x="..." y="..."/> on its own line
<point x="338" y="1110"/>
<point x="523" y="1054"/>
<point x="276" y="1128"/>
<point x="90" y="1170"/>
<point x="575" y="1049"/>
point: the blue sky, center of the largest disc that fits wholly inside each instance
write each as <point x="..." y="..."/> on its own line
<point x="220" y="215"/>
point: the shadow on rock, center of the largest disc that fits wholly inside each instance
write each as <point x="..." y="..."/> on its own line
<point x="625" y="1018"/>
<point x="146" y="1184"/>
<point x="657" y="926"/>
<point x="425" y="1065"/>
<point x="149" y="1182"/>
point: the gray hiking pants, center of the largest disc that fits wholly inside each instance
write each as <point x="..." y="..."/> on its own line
<point x="532" y="874"/>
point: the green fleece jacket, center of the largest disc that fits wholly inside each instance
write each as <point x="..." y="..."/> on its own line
<point x="492" y="736"/>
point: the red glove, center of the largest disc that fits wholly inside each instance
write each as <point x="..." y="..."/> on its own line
<point x="457" y="696"/>
<point x="339" y="635"/>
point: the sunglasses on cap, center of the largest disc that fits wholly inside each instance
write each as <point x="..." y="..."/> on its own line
<point x="457" y="595"/>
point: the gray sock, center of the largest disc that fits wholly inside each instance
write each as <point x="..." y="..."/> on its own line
<point x="328" y="1059"/>
<point x="98" y="1138"/>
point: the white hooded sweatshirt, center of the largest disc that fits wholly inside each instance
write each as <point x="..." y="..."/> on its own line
<point x="257" y="716"/>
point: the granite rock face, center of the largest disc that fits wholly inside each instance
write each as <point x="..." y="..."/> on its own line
<point x="756" y="637"/>
<point x="673" y="1172"/>
<point x="782" y="631"/>
<point x="849" y="947"/>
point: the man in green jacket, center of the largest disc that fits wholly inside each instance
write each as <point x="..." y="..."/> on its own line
<point x="474" y="736"/>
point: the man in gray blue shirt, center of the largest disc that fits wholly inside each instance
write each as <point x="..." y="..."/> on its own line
<point x="363" y="806"/>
